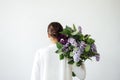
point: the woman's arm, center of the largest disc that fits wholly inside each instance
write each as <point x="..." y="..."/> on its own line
<point x="36" y="67"/>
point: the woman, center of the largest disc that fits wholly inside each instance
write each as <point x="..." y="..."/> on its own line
<point x="47" y="65"/>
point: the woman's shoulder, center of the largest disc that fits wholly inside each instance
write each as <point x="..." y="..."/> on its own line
<point x="52" y="46"/>
<point x="44" y="50"/>
<point x="41" y="51"/>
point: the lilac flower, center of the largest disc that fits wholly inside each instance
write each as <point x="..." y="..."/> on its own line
<point x="66" y="50"/>
<point x="76" y="57"/>
<point x="65" y="47"/>
<point x="67" y="44"/>
<point x="72" y="41"/>
<point x="93" y="48"/>
<point x="80" y="29"/>
<point x="82" y="46"/>
<point x="97" y="57"/>
<point x="77" y="51"/>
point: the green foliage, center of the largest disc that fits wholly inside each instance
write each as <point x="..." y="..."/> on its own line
<point x="61" y="56"/>
<point x="74" y="33"/>
<point x="59" y="50"/>
<point x="73" y="74"/>
<point x="74" y="28"/>
<point x="67" y="55"/>
<point x="71" y="54"/>
<point x="59" y="45"/>
<point x="90" y="41"/>
<point x="79" y="63"/>
<point x="87" y="48"/>
<point x="70" y="61"/>
<point x="78" y="36"/>
<point x="67" y="31"/>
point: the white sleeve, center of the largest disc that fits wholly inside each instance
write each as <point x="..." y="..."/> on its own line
<point x="36" y="67"/>
<point x="80" y="72"/>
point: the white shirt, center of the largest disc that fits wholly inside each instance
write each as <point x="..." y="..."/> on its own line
<point x="48" y="66"/>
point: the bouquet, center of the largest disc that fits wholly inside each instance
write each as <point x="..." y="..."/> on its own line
<point x="76" y="46"/>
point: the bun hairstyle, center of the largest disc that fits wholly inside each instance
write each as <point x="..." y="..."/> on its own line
<point x="54" y="29"/>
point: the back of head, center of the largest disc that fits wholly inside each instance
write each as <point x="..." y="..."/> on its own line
<point x="54" y="29"/>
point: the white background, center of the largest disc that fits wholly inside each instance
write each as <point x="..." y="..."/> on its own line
<point x="23" y="30"/>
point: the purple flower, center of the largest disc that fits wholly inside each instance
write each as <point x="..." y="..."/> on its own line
<point x="78" y="51"/>
<point x="76" y="57"/>
<point x="93" y="48"/>
<point x="72" y="41"/>
<point x="67" y="44"/>
<point x="66" y="50"/>
<point x="97" y="56"/>
<point x="65" y="47"/>
<point x="82" y="45"/>
<point x="80" y="29"/>
<point x="62" y="39"/>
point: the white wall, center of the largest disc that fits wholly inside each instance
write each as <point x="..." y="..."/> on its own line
<point x="23" y="25"/>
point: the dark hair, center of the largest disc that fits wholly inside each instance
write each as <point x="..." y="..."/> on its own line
<point x="54" y="29"/>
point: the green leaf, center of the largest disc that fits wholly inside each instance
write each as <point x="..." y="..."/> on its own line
<point x="59" y="50"/>
<point x="71" y="54"/>
<point x="70" y="61"/>
<point x="87" y="36"/>
<point x="66" y="55"/>
<point x="66" y="32"/>
<point x="77" y="37"/>
<point x="81" y="37"/>
<point x="74" y="28"/>
<point x="59" y="45"/>
<point x="69" y="28"/>
<point x="73" y="74"/>
<point x="90" y="41"/>
<point x="74" y="33"/>
<point x="89" y="58"/>
<point x="61" y="56"/>
<point x="87" y="48"/>
<point x="79" y="63"/>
